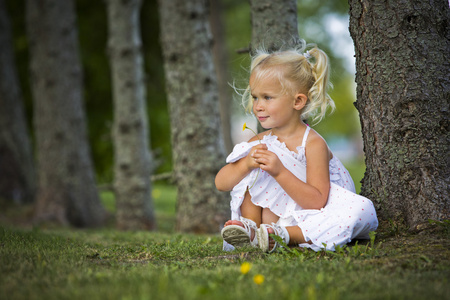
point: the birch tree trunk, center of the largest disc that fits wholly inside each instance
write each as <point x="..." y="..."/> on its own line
<point x="194" y="109"/>
<point x="403" y="84"/>
<point x="17" y="175"/>
<point x="133" y="163"/>
<point x="274" y="23"/>
<point x="67" y="191"/>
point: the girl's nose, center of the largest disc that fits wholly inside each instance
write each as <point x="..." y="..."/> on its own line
<point x="258" y="106"/>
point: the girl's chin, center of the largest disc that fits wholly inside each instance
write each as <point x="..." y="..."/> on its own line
<point x="265" y="126"/>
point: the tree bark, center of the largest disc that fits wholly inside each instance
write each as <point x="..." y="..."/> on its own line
<point x="274" y="24"/>
<point x="133" y="162"/>
<point x="194" y="109"/>
<point x="402" y="63"/>
<point x="17" y="174"/>
<point x="67" y="192"/>
<point x="221" y="65"/>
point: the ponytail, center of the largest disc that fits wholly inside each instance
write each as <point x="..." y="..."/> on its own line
<point x="318" y="97"/>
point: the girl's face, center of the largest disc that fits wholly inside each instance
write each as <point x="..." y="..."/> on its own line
<point x="273" y="107"/>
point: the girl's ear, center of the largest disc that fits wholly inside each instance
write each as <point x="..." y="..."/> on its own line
<point x="300" y="101"/>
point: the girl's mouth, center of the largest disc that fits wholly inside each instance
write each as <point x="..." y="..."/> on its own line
<point x="262" y="118"/>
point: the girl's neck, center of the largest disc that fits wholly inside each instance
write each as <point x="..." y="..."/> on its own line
<point x="292" y="132"/>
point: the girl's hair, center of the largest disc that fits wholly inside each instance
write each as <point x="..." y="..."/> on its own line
<point x="296" y="71"/>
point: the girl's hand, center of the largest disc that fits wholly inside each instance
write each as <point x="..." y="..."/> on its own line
<point x="251" y="160"/>
<point x="268" y="161"/>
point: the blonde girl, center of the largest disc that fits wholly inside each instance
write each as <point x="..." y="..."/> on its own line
<point x="285" y="180"/>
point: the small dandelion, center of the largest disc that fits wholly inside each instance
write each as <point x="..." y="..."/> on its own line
<point x="246" y="127"/>
<point x="245" y="267"/>
<point x="258" y="279"/>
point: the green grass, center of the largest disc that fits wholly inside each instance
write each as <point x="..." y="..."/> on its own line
<point x="164" y="198"/>
<point x="60" y="263"/>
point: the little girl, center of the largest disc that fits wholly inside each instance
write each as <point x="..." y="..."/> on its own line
<point x="286" y="181"/>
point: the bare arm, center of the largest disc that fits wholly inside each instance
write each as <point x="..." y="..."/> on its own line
<point x="231" y="174"/>
<point x="312" y="194"/>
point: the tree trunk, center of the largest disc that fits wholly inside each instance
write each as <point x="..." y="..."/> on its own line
<point x="221" y="65"/>
<point x="133" y="162"/>
<point x="17" y="175"/>
<point x="402" y="63"/>
<point x="274" y="24"/>
<point x="194" y="109"/>
<point x="67" y="192"/>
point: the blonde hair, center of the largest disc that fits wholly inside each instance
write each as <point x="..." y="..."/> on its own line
<point x="296" y="71"/>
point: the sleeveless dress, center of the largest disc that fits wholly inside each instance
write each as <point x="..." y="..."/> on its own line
<point x="345" y="216"/>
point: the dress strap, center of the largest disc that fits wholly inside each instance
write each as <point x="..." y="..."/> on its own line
<point x="305" y="135"/>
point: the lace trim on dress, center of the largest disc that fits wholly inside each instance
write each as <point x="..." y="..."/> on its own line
<point x="273" y="139"/>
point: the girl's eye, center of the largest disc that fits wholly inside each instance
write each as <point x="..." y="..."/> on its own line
<point x="255" y="98"/>
<point x="267" y="97"/>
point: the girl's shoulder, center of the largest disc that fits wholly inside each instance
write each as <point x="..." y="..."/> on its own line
<point x="315" y="143"/>
<point x="260" y="136"/>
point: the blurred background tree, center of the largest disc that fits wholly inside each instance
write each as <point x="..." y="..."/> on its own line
<point x="17" y="173"/>
<point x="133" y="162"/>
<point x="319" y="23"/>
<point x="66" y="188"/>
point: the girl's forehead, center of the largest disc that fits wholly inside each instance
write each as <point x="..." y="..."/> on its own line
<point x="264" y="78"/>
<point x="264" y="74"/>
<point x="269" y="84"/>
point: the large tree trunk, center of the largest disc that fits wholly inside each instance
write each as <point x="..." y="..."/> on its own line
<point x="221" y="65"/>
<point x="132" y="166"/>
<point x="274" y="24"/>
<point x="17" y="176"/>
<point x="67" y="192"/>
<point x="194" y="109"/>
<point x="402" y="63"/>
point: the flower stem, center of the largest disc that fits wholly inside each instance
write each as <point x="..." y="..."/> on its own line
<point x="259" y="169"/>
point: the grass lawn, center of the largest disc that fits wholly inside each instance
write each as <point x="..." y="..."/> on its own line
<point x="62" y="263"/>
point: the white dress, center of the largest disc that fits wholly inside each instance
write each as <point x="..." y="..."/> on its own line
<point x="345" y="216"/>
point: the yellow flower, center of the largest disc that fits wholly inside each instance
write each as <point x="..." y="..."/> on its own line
<point x="245" y="127"/>
<point x="258" y="279"/>
<point x="245" y="267"/>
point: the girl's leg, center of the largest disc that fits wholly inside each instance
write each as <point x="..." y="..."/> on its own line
<point x="243" y="232"/>
<point x="248" y="211"/>
<point x="267" y="243"/>
<point x="268" y="217"/>
<point x="296" y="235"/>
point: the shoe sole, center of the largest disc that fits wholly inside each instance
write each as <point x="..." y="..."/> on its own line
<point x="236" y="236"/>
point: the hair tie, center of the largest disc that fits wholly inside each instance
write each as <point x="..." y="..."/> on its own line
<point x="307" y="55"/>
